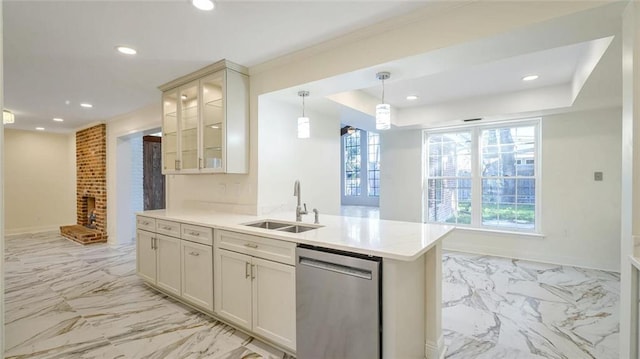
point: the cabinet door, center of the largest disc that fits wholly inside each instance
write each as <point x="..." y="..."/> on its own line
<point x="233" y="287"/>
<point x="237" y="120"/>
<point x="197" y="274"/>
<point x="169" y="131"/>
<point x="274" y="301"/>
<point x="146" y="256"/>
<point x="189" y="115"/>
<point x="213" y="123"/>
<point x="168" y="265"/>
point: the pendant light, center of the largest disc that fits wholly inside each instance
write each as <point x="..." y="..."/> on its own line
<point x="8" y="117"/>
<point x="303" y="122"/>
<point x="383" y="110"/>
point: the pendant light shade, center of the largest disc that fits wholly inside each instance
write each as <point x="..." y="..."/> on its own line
<point x="383" y="110"/>
<point x="8" y="117"/>
<point x="304" y="127"/>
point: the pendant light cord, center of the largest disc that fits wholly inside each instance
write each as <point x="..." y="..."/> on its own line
<point x="383" y="90"/>
<point x="303" y="96"/>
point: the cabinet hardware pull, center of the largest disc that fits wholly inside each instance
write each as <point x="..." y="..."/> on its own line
<point x="200" y="162"/>
<point x="152" y="239"/>
<point x="251" y="245"/>
<point x="166" y="228"/>
<point x="145" y="223"/>
<point x="194" y="233"/>
<point x="253" y="275"/>
<point x="194" y="254"/>
<point x="246" y="270"/>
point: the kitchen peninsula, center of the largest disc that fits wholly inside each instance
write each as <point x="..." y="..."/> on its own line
<point x="245" y="275"/>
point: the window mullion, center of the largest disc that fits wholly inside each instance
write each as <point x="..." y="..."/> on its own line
<point x="476" y="184"/>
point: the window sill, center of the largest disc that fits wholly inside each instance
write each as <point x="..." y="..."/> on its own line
<point x="502" y="232"/>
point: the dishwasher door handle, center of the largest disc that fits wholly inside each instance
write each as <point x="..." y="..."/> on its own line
<point x="334" y="267"/>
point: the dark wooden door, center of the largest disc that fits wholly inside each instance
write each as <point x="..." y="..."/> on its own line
<point x="153" y="179"/>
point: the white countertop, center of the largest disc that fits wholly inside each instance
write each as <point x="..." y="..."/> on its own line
<point x="398" y="240"/>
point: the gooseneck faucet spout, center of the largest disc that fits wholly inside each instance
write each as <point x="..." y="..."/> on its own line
<point x="299" y="211"/>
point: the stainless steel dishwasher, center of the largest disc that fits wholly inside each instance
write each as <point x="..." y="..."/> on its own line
<point x="338" y="304"/>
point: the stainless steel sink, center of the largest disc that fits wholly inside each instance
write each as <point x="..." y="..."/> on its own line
<point x="296" y="229"/>
<point x="268" y="224"/>
<point x="282" y="226"/>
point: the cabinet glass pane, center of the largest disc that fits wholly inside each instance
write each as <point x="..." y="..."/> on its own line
<point x="169" y="128"/>
<point x="212" y="120"/>
<point x="189" y="127"/>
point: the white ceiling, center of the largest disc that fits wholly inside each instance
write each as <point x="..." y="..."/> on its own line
<point x="554" y="66"/>
<point x="578" y="59"/>
<point x="59" y="51"/>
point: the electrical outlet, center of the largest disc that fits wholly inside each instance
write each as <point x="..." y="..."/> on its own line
<point x="597" y="176"/>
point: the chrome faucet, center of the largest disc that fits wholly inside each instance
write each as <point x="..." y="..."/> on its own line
<point x="299" y="211"/>
<point x="317" y="216"/>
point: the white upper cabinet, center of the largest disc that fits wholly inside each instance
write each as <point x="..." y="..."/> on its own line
<point x="206" y="121"/>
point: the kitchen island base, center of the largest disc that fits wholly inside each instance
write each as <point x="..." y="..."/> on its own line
<point x="411" y="307"/>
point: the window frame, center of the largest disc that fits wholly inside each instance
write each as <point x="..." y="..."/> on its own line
<point x="476" y="173"/>
<point x="363" y="199"/>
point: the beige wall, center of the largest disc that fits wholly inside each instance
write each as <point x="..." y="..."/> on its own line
<point x="284" y="158"/>
<point x="40" y="180"/>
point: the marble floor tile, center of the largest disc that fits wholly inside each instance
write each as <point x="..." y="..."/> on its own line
<point x="65" y="300"/>
<point x="506" y="308"/>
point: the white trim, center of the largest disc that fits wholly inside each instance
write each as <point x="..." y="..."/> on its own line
<point x="435" y="350"/>
<point x="499" y="231"/>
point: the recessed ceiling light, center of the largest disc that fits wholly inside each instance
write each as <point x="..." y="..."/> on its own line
<point x="203" y="4"/>
<point x="86" y="105"/>
<point x="530" y="78"/>
<point x="184" y="97"/>
<point x="126" y="50"/>
<point x="412" y="97"/>
<point x="58" y="119"/>
<point x="40" y="128"/>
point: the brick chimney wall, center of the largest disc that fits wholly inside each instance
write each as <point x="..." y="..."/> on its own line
<point x="91" y="165"/>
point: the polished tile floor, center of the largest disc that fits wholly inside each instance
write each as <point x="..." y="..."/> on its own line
<point x="64" y="300"/>
<point x="505" y="308"/>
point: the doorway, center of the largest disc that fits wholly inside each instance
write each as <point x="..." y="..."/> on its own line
<point x="152" y="177"/>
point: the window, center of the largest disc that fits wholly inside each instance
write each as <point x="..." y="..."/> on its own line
<point x="352" y="164"/>
<point x="361" y="168"/>
<point x="373" y="164"/>
<point x="484" y="177"/>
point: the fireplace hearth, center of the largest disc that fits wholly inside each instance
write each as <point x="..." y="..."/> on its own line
<point x="91" y="189"/>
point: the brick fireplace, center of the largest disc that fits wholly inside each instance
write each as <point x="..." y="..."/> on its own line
<point x="91" y="190"/>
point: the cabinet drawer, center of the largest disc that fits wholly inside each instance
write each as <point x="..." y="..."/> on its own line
<point x="146" y="223"/>
<point x="261" y="247"/>
<point x="167" y="227"/>
<point x="202" y="235"/>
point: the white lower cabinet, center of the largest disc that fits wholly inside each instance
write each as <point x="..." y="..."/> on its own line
<point x="168" y="263"/>
<point x="254" y="284"/>
<point x="146" y="255"/>
<point x="197" y="274"/>
<point x="255" y="293"/>
<point x="233" y="292"/>
<point x="274" y="301"/>
<point x="158" y="260"/>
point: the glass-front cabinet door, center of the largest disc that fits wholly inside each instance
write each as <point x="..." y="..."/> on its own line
<point x="189" y="106"/>
<point x="169" y="131"/>
<point x="213" y="122"/>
